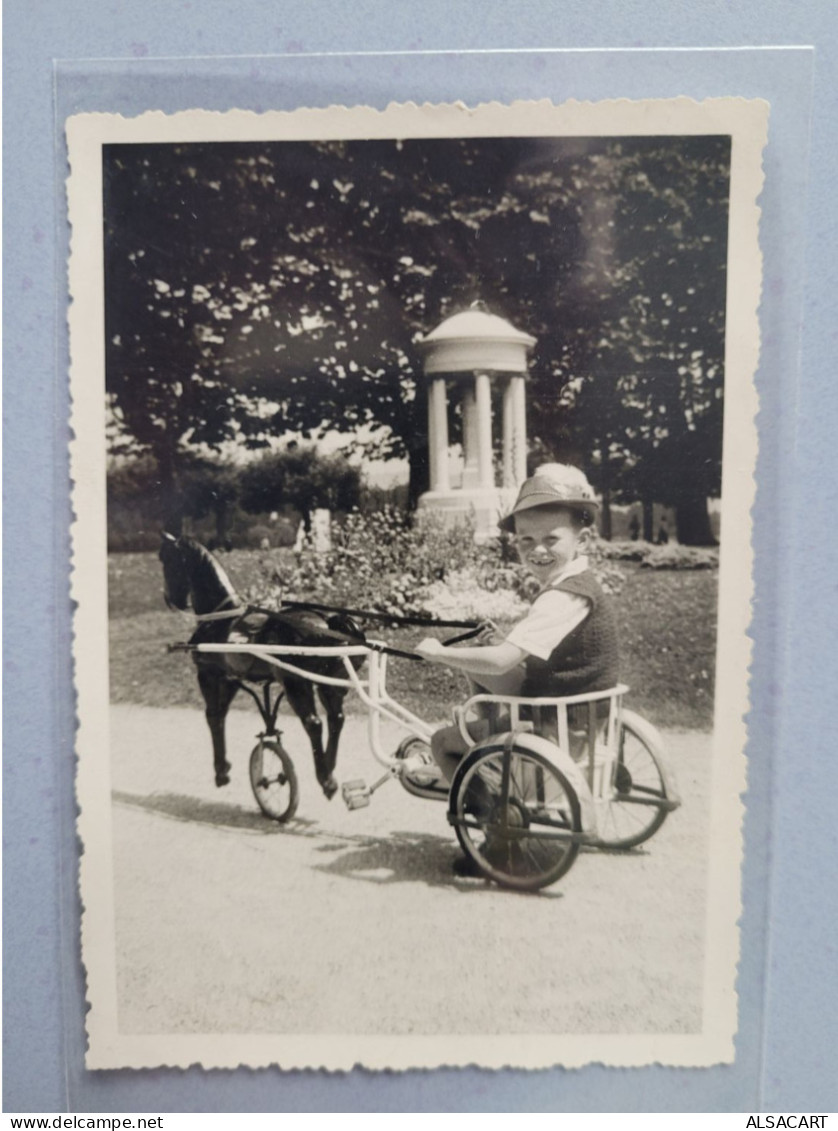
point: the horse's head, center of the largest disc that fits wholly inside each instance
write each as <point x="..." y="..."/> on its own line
<point x="175" y="572"/>
<point x="192" y="576"/>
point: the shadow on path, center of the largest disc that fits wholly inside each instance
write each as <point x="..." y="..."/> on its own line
<point x="398" y="857"/>
<point x="218" y="814"/>
<point x="414" y="857"/>
<point x="602" y="850"/>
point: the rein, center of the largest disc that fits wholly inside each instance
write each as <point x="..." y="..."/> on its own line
<point x="341" y="637"/>
<point x="389" y="618"/>
<point x="473" y="627"/>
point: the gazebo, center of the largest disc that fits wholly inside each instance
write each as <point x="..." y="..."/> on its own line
<point x="462" y="357"/>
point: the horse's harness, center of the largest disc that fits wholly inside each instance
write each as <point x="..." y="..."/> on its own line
<point x="285" y="615"/>
<point x="223" y="614"/>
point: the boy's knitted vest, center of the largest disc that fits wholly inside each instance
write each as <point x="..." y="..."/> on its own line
<point x="587" y="659"/>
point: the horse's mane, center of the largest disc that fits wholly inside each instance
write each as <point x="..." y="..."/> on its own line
<point x="204" y="563"/>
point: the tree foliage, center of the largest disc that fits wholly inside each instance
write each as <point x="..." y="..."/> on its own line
<point x="302" y="478"/>
<point x="259" y="289"/>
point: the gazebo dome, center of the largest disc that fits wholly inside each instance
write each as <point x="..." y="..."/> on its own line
<point x="475" y="340"/>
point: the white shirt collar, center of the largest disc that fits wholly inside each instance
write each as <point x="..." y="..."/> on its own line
<point x="578" y="565"/>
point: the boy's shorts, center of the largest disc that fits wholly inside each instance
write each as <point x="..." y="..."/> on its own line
<point x="452" y="746"/>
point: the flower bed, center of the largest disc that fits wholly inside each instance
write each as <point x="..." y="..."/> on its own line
<point x="670" y="556"/>
<point x="380" y="563"/>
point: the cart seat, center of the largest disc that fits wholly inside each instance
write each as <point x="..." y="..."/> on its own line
<point x="576" y="723"/>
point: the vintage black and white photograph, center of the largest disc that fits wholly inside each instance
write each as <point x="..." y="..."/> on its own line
<point x="413" y="464"/>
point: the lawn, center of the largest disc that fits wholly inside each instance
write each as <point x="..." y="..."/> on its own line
<point x="667" y="622"/>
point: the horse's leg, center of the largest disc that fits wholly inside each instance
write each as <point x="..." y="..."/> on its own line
<point x="332" y="699"/>
<point x="218" y="693"/>
<point x="301" y="697"/>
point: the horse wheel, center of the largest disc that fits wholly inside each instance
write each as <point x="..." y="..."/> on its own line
<point x="636" y="806"/>
<point x="528" y="840"/>
<point x="274" y="781"/>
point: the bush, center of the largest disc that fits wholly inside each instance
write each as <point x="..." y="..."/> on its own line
<point x="634" y="551"/>
<point x="259" y="536"/>
<point x="382" y="563"/>
<point x="671" y="556"/>
<point x="300" y="477"/>
<point x="138" y="539"/>
<point x="461" y="596"/>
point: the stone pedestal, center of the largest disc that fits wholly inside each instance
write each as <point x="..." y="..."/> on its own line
<point x="484" y="507"/>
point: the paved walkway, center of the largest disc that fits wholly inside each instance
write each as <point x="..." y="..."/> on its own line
<point x="353" y="921"/>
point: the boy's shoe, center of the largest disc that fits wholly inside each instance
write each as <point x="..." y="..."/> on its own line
<point x="466" y="868"/>
<point x="479" y="802"/>
<point x="420" y="775"/>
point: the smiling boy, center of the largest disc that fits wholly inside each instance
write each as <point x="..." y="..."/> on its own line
<point x="567" y="643"/>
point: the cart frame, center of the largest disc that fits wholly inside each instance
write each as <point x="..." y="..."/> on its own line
<point x="569" y="755"/>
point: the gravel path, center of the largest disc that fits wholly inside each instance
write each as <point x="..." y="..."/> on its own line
<point x="352" y="922"/>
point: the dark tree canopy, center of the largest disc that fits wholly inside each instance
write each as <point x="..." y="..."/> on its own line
<point x="259" y="289"/>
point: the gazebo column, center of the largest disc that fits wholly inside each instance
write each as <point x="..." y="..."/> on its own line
<point x="514" y="433"/>
<point x="438" y="434"/>
<point x="483" y="406"/>
<point x="471" y="471"/>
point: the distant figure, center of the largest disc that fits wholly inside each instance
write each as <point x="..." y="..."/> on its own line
<point x="663" y="533"/>
<point x="321" y="530"/>
<point x="634" y="528"/>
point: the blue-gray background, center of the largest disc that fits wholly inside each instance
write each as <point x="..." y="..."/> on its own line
<point x="165" y="54"/>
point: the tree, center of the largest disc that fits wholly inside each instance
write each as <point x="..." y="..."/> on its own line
<point x="136" y="504"/>
<point x="302" y="478"/>
<point x="210" y="488"/>
<point x="264" y="288"/>
<point x="643" y="398"/>
<point x="204" y="487"/>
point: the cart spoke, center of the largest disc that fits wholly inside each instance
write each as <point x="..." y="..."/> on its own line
<point x="526" y="834"/>
<point x="636" y="805"/>
<point x="273" y="780"/>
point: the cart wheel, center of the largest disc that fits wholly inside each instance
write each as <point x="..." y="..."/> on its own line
<point x="274" y="781"/>
<point x="636" y="805"/>
<point x="528" y="841"/>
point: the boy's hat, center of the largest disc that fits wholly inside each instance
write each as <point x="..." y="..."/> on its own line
<point x="553" y="484"/>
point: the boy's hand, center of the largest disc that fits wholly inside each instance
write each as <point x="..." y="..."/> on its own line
<point x="429" y="648"/>
<point x="489" y="634"/>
